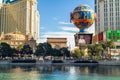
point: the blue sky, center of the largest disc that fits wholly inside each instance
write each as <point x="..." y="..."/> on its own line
<point x="55" y="18"/>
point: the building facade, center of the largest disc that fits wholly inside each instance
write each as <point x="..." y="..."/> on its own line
<point x="21" y="15"/>
<point x="108" y="14"/>
<point x="110" y="35"/>
<point x="15" y="39"/>
<point x="57" y="42"/>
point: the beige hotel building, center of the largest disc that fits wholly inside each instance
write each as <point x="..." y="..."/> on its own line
<point x="20" y="15"/>
<point x="108" y="13"/>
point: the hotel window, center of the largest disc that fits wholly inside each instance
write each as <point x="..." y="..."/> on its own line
<point x="95" y="1"/>
<point x="105" y="0"/>
<point x="20" y="43"/>
<point x="16" y="43"/>
<point x="95" y="8"/>
<point x="116" y="23"/>
<point x="11" y="43"/>
<point x="111" y="0"/>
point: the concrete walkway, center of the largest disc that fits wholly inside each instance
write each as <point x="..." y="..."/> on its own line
<point x="110" y="62"/>
<point x="102" y="62"/>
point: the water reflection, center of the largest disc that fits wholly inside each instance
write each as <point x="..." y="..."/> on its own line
<point x="109" y="70"/>
<point x="71" y="69"/>
<point x="27" y="72"/>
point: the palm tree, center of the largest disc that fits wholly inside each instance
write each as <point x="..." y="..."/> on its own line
<point x="104" y="46"/>
<point x="94" y="50"/>
<point x="99" y="48"/>
<point x="76" y="53"/>
<point x="91" y="50"/>
<point x="110" y="44"/>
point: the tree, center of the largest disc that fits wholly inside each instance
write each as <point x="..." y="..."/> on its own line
<point x="26" y="50"/>
<point x="104" y="49"/>
<point x="56" y="52"/>
<point x="76" y="53"/>
<point x="43" y="49"/>
<point x="110" y="44"/>
<point x="82" y="52"/>
<point x="65" y="52"/>
<point x="47" y="47"/>
<point x="99" y="48"/>
<point x="5" y="50"/>
<point x="91" y="50"/>
<point x="14" y="51"/>
<point x="39" y="50"/>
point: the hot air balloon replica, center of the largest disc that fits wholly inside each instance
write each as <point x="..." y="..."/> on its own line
<point x="83" y="17"/>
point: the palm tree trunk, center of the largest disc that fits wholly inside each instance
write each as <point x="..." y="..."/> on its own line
<point x="109" y="52"/>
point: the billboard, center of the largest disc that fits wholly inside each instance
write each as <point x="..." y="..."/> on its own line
<point x="113" y="35"/>
<point x="83" y="38"/>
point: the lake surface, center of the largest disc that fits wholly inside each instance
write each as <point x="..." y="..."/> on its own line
<point x="12" y="72"/>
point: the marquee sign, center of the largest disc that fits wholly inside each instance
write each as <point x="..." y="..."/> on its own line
<point x="85" y="38"/>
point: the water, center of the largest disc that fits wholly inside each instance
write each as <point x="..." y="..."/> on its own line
<point x="12" y="72"/>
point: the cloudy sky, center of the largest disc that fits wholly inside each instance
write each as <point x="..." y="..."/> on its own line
<point x="55" y="19"/>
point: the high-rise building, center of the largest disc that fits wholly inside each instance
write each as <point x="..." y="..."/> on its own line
<point x="20" y="15"/>
<point x="108" y="13"/>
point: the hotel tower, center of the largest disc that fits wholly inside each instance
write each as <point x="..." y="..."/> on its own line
<point x="108" y="14"/>
<point x="20" y="15"/>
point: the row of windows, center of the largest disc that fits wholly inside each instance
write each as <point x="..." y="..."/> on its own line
<point x="112" y="23"/>
<point x="14" y="43"/>
<point x="111" y="0"/>
<point x="118" y="23"/>
<point x="111" y="18"/>
<point x="112" y="14"/>
<point x="111" y="9"/>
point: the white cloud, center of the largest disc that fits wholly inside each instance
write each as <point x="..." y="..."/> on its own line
<point x="0" y="1"/>
<point x="42" y="40"/>
<point x="62" y="22"/>
<point x="57" y="34"/>
<point x="67" y="28"/>
<point x="92" y="28"/>
<point x="55" y="18"/>
<point x="42" y="28"/>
